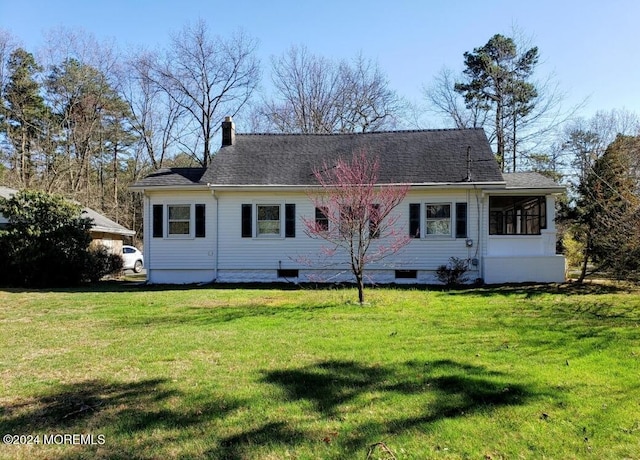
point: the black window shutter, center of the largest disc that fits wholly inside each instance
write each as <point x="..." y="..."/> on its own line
<point x="461" y="220"/>
<point x="200" y="220"/>
<point x="414" y="220"/>
<point x="246" y="221"/>
<point x="157" y="220"/>
<point x="290" y="220"/>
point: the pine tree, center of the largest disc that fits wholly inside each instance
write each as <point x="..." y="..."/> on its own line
<point x="498" y="76"/>
<point x="23" y="114"/>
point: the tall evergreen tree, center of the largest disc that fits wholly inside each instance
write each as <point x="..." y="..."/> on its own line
<point x="94" y="122"/>
<point x="23" y="114"/>
<point x="497" y="77"/>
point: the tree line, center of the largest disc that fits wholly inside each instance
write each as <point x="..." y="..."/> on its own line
<point x="81" y="119"/>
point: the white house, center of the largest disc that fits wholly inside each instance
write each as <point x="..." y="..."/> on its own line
<point x="240" y="219"/>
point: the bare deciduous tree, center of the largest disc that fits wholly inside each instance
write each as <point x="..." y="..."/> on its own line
<point x="8" y="44"/>
<point x="601" y="165"/>
<point x="444" y="100"/>
<point x="307" y="93"/>
<point x="156" y="115"/>
<point x="209" y="78"/>
<point x="315" y="95"/>
<point x="368" y="104"/>
<point x="583" y="141"/>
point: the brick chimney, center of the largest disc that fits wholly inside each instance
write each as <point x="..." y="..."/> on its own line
<point x="228" y="132"/>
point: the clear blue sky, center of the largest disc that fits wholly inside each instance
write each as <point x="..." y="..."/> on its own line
<point x="591" y="46"/>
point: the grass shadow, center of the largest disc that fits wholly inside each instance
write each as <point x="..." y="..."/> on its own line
<point x="328" y="384"/>
<point x="453" y="389"/>
<point x="205" y="316"/>
<point x="242" y="445"/>
<point x="532" y="290"/>
<point x="126" y="410"/>
<point x="140" y="285"/>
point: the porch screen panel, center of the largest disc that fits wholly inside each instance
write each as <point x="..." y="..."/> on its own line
<point x="517" y="215"/>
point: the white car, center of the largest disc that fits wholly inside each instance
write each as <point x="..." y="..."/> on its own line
<point x="133" y="259"/>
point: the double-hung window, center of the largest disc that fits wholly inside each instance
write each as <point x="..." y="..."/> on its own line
<point x="179" y="220"/>
<point x="438" y="219"/>
<point x="268" y="220"/>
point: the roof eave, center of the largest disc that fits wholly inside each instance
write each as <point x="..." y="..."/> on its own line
<point x="536" y="190"/>
<point x="421" y="185"/>
<point x="117" y="231"/>
<point x="144" y="188"/>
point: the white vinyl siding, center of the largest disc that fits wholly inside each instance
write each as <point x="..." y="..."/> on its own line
<point x="266" y="246"/>
<point x="427" y="251"/>
<point x="238" y="253"/>
<point x="180" y="252"/>
<point x="260" y="259"/>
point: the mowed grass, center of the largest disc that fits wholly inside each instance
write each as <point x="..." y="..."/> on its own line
<point x="161" y="373"/>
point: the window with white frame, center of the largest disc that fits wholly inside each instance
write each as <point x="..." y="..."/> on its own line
<point x="438" y="219"/>
<point x="268" y="220"/>
<point x="179" y="219"/>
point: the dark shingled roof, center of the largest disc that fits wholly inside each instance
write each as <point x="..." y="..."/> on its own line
<point x="416" y="157"/>
<point x="172" y="177"/>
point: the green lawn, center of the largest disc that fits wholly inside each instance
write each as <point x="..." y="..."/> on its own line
<point x="517" y="372"/>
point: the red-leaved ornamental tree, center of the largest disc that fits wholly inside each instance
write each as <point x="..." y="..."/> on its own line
<point x="354" y="214"/>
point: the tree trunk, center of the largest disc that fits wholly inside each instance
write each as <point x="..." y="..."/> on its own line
<point x="514" y="139"/>
<point x="583" y="271"/>
<point x="360" y="281"/>
<point x="115" y="181"/>
<point x="499" y="136"/>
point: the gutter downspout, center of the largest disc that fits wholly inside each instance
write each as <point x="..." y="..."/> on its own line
<point x="217" y="245"/>
<point x="146" y="235"/>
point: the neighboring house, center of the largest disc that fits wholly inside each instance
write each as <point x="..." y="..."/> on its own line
<point x="241" y="218"/>
<point x="104" y="231"/>
<point x="5" y="192"/>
